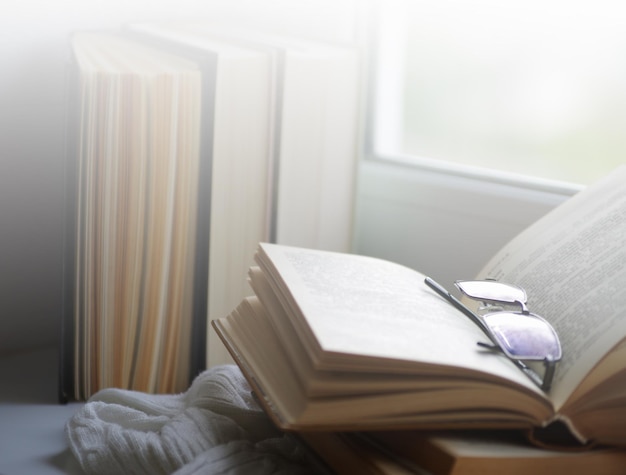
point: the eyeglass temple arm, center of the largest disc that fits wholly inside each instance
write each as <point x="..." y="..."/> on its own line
<point x="550" y="365"/>
<point x="548" y="375"/>
<point x="459" y="306"/>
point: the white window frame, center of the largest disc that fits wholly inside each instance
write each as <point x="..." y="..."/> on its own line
<point x="441" y="218"/>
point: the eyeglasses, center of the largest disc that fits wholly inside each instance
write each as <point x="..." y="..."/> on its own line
<point x="518" y="334"/>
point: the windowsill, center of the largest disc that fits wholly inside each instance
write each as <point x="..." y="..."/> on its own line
<point x="480" y="175"/>
<point x="32" y="438"/>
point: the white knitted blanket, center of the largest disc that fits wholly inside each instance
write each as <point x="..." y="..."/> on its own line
<point x="216" y="427"/>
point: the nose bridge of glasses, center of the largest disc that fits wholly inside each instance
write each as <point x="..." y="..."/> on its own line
<point x="505" y="330"/>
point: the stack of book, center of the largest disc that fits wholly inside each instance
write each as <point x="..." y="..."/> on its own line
<point x="379" y="374"/>
<point x="188" y="145"/>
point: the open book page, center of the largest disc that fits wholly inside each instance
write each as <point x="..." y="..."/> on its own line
<point x="356" y="306"/>
<point x="290" y="345"/>
<point x="572" y="263"/>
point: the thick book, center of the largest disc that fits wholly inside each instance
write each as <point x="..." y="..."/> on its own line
<point x="309" y="157"/>
<point x="335" y="341"/>
<point x="135" y="270"/>
<point x="241" y="128"/>
<point x="455" y="453"/>
<point x="252" y="130"/>
<point x="491" y="453"/>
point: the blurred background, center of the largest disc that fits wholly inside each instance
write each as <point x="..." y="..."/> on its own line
<point x="34" y="59"/>
<point x="532" y="89"/>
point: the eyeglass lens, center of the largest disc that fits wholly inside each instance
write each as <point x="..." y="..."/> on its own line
<point x="524" y="336"/>
<point x="492" y="290"/>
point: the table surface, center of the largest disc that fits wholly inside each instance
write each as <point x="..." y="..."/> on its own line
<point x="32" y="438"/>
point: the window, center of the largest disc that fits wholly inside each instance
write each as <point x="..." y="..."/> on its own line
<point x="495" y="88"/>
<point x="533" y="87"/>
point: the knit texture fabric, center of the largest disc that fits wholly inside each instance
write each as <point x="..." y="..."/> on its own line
<point x="216" y="427"/>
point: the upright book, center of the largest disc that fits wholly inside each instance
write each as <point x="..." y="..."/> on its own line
<point x="177" y="138"/>
<point x="334" y="341"/>
<point x="133" y="220"/>
<point x="312" y="127"/>
<point x="187" y="148"/>
<point x="241" y="128"/>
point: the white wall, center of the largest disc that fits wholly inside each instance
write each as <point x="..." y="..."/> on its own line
<point x="33" y="57"/>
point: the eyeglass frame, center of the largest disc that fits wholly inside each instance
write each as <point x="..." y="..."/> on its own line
<point x="544" y="383"/>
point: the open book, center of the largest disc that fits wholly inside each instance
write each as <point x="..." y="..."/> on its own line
<point x="334" y="341"/>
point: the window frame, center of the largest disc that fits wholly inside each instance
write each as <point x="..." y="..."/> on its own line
<point x="385" y="71"/>
<point x="461" y="214"/>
